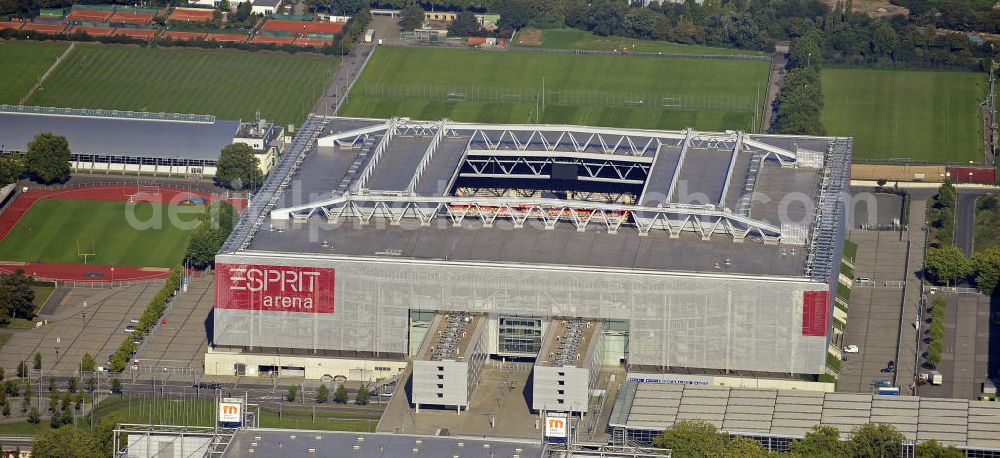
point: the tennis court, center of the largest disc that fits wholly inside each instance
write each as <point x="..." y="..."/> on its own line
<point x="132" y="18"/>
<point x="302" y="27"/>
<point x="190" y="15"/>
<point x="86" y="15"/>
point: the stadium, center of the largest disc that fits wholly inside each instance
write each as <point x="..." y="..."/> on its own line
<point x="374" y="243"/>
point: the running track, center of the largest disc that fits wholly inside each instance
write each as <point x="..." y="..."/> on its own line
<point x="78" y="272"/>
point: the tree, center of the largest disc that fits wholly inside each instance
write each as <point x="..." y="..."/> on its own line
<point x="340" y="395"/>
<point x="412" y="17"/>
<point x="224" y="6"/>
<point x="362" y="397"/>
<point x="116" y="386"/>
<point x="322" y="394"/>
<point x="16" y="296"/>
<point x="823" y="441"/>
<point x="65" y="442"/>
<point x="293" y="392"/>
<point x="947" y="264"/>
<point x="807" y="51"/>
<point x="48" y="158"/>
<point x="1" y="373"/>
<point x="986" y="265"/>
<point x="933" y="356"/>
<point x="38" y="361"/>
<point x="464" y="25"/>
<point x="743" y="447"/>
<point x="87" y="363"/>
<point x="692" y="438"/>
<point x="11" y="168"/>
<point x="934" y="449"/>
<point x="90" y="384"/>
<point x="33" y="416"/>
<point x="22" y="370"/>
<point x="72" y="385"/>
<point x="202" y="247"/>
<point x="876" y="441"/>
<point x="104" y="434"/>
<point x="6" y="409"/>
<point x="54" y="401"/>
<point x="238" y="168"/>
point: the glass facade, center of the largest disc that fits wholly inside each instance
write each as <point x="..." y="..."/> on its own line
<point x="520" y="336"/>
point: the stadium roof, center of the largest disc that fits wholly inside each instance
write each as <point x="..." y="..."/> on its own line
<point x="562" y="195"/>
<point x="792" y="413"/>
<point x="121" y="136"/>
<point x="297" y="443"/>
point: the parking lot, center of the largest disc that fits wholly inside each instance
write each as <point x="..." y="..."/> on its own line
<point x="79" y="321"/>
<point x="874" y="311"/>
<point x="178" y="344"/>
<point x="967" y="348"/>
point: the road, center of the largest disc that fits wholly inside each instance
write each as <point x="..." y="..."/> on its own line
<point x="348" y="71"/>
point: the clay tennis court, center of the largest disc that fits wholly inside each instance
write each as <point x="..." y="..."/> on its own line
<point x="89" y="15"/>
<point x="190" y="15"/>
<point x="302" y="27"/>
<point x="312" y="42"/>
<point x="21" y="203"/>
<point x="53" y="29"/>
<point x="262" y="39"/>
<point x="140" y="34"/>
<point x="93" y="31"/>
<point x="127" y="17"/>
<point x="183" y="36"/>
<point x="10" y="25"/>
<point x="226" y="38"/>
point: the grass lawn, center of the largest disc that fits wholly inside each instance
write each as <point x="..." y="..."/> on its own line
<point x="987" y="228"/>
<point x="502" y="87"/>
<point x="51" y="228"/>
<point x="42" y="294"/>
<point x="582" y="39"/>
<point x="226" y="83"/>
<point x="201" y="412"/>
<point x="24" y="62"/>
<point x="22" y="428"/>
<point x="916" y="115"/>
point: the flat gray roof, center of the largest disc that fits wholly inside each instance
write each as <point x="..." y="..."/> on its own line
<point x="252" y="443"/>
<point x="563" y="245"/>
<point x="792" y="413"/>
<point x="121" y="136"/>
<point x="331" y="171"/>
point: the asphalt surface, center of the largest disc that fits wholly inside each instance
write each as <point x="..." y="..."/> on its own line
<point x="965" y="221"/>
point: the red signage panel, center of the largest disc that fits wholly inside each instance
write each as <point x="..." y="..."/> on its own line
<point x="815" y="308"/>
<point x="274" y="288"/>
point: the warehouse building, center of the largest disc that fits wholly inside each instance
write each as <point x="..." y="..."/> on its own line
<point x="688" y="251"/>
<point x="128" y="142"/>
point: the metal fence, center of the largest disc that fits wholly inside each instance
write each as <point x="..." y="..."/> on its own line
<point x="116" y="114"/>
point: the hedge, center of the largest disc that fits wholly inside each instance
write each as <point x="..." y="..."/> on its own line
<point x="150" y="316"/>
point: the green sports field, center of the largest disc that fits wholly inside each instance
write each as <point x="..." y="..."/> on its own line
<point x="24" y="62"/>
<point x="920" y="116"/>
<point x="582" y="39"/>
<point x="226" y="83"/>
<point x="52" y="228"/>
<point x="507" y="87"/>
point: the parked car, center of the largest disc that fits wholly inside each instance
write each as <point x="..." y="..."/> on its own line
<point x="129" y="328"/>
<point x="851" y="349"/>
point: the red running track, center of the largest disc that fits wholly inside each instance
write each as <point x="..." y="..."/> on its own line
<point x="79" y="272"/>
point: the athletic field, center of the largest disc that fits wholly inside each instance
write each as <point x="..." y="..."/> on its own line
<point x="24" y="63"/>
<point x="226" y="83"/>
<point x="519" y="87"/>
<point x="582" y="39"/>
<point x="921" y="116"/>
<point x="62" y="230"/>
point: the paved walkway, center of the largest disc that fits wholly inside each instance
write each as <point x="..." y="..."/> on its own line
<point x="179" y="342"/>
<point x="778" y="62"/>
<point x="347" y="72"/>
<point x="906" y="364"/>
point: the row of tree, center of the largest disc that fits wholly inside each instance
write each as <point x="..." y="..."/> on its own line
<point x="941" y="216"/>
<point x="949" y="266"/>
<point x="340" y="395"/>
<point x="150" y="316"/>
<point x="698" y="439"/>
<point x="799" y="105"/>
<point x="935" y="332"/>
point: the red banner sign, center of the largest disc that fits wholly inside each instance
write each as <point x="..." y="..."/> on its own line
<point x="815" y="312"/>
<point x="274" y="288"/>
